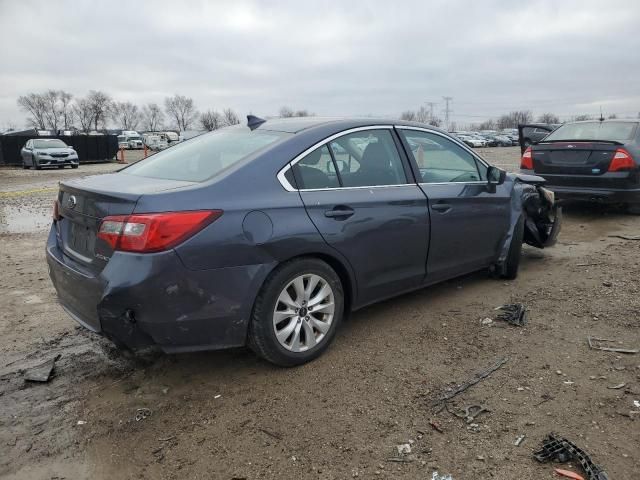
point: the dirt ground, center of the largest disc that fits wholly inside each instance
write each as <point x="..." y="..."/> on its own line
<point x="229" y="415"/>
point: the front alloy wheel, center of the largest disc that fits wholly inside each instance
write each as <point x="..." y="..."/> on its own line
<point x="303" y="313"/>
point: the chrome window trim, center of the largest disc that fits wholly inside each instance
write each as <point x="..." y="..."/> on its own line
<point x="290" y="188"/>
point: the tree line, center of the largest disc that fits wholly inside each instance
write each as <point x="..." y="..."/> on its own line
<point x="60" y="110"/>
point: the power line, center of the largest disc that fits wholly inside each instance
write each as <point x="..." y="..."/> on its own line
<point x="447" y="111"/>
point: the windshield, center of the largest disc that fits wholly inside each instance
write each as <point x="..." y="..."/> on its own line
<point x="134" y="138"/>
<point x="612" y="131"/>
<point x="53" y="143"/>
<point x="205" y="156"/>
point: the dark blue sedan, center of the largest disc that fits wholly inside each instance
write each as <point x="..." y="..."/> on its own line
<point x="268" y="234"/>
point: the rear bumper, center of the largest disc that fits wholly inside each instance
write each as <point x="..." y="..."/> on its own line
<point x="612" y="188"/>
<point x="152" y="299"/>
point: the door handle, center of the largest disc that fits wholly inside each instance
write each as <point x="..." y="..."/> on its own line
<point x="340" y="212"/>
<point x="441" y="207"/>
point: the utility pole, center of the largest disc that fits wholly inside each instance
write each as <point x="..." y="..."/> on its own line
<point x="447" y="111"/>
<point x="431" y="105"/>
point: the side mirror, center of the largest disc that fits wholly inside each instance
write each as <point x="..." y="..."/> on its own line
<point x="495" y="176"/>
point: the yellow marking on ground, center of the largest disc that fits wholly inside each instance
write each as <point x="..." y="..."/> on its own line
<point x="19" y="193"/>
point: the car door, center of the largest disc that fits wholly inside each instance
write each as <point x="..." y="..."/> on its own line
<point x="469" y="218"/>
<point x="359" y="192"/>
<point x="26" y="153"/>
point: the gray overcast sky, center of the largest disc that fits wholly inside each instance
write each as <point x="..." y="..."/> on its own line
<point x="330" y="57"/>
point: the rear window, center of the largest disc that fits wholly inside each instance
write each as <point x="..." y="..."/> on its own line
<point x="205" y="156"/>
<point x="612" y="131"/>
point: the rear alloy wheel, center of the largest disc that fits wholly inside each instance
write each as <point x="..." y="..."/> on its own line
<point x="297" y="312"/>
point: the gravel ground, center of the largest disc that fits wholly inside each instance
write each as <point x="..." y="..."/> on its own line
<point x="229" y="415"/>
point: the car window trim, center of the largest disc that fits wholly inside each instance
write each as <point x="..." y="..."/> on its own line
<point x="447" y="137"/>
<point x="290" y="188"/>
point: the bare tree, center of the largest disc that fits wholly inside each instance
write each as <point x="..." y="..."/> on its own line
<point x="35" y="106"/>
<point x="126" y="114"/>
<point x="152" y="117"/>
<point x="612" y="116"/>
<point x="408" y="115"/>
<point x="181" y="109"/>
<point x="286" y="112"/>
<point x="549" y="118"/>
<point x="581" y="118"/>
<point x="515" y="118"/>
<point x="52" y="109"/>
<point x="229" y="117"/>
<point x="303" y="113"/>
<point x="100" y="103"/>
<point x="211" y="120"/>
<point x="422" y="115"/>
<point x="83" y="111"/>
<point x="435" y="121"/>
<point x="487" y="125"/>
<point x="66" y="110"/>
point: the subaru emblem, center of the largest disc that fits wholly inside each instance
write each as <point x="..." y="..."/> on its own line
<point x="72" y="202"/>
<point x="571" y="146"/>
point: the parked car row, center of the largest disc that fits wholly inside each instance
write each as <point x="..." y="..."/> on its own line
<point x="132" y="140"/>
<point x="488" y="138"/>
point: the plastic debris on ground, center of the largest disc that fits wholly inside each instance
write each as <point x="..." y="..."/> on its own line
<point x="559" y="449"/>
<point x="41" y="373"/>
<point x="142" y="413"/>
<point x="437" y="476"/>
<point x="514" y="313"/>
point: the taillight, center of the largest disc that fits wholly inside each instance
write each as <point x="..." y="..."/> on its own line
<point x="153" y="232"/>
<point x="56" y="210"/>
<point x="526" y="163"/>
<point x="622" y="160"/>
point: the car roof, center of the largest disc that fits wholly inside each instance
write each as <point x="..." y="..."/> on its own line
<point x="607" y="120"/>
<point x="299" y="124"/>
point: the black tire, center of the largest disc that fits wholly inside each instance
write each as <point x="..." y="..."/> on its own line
<point x="262" y="336"/>
<point x="60" y="166"/>
<point x="74" y="166"/>
<point x="633" y="208"/>
<point x="25" y="166"/>
<point x="36" y="164"/>
<point x="515" y="249"/>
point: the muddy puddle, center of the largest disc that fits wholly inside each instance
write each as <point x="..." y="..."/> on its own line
<point x="16" y="219"/>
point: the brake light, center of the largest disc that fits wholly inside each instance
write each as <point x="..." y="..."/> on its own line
<point x="56" y="210"/>
<point x="153" y="232"/>
<point x="526" y="163"/>
<point x="622" y="160"/>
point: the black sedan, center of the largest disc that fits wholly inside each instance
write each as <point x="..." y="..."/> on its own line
<point x="595" y="161"/>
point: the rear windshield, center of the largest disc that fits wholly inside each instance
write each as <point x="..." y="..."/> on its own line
<point x="612" y="131"/>
<point x="53" y="143"/>
<point x="205" y="156"/>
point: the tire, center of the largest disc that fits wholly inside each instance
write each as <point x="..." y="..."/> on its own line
<point x="60" y="166"/>
<point x="74" y="166"/>
<point x="515" y="249"/>
<point x="633" y="208"/>
<point x="296" y="347"/>
<point x="25" y="166"/>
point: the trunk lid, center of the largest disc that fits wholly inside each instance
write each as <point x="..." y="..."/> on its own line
<point x="86" y="201"/>
<point x="573" y="158"/>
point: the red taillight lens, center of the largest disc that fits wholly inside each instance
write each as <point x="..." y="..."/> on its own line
<point x="622" y="160"/>
<point x="526" y="163"/>
<point x="56" y="210"/>
<point x="153" y="232"/>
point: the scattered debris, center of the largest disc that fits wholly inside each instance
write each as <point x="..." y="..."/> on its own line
<point x="486" y="321"/>
<point x="568" y="474"/>
<point x="559" y="449"/>
<point x="437" y="476"/>
<point x="477" y="379"/>
<point x="81" y="422"/>
<point x="275" y="435"/>
<point x="586" y="264"/>
<point x="594" y="346"/>
<point x="403" y="449"/>
<point x="514" y="313"/>
<point x="435" y="426"/>
<point x="470" y="412"/>
<point x="636" y="403"/>
<point x="626" y="237"/>
<point x="617" y="387"/>
<point x="400" y="459"/>
<point x="519" y="440"/>
<point x="217" y="396"/>
<point x="42" y="372"/>
<point x="142" y="413"/>
<point x="167" y="439"/>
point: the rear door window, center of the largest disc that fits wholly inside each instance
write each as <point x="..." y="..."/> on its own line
<point x="316" y="170"/>
<point x="441" y="160"/>
<point x="368" y="158"/>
